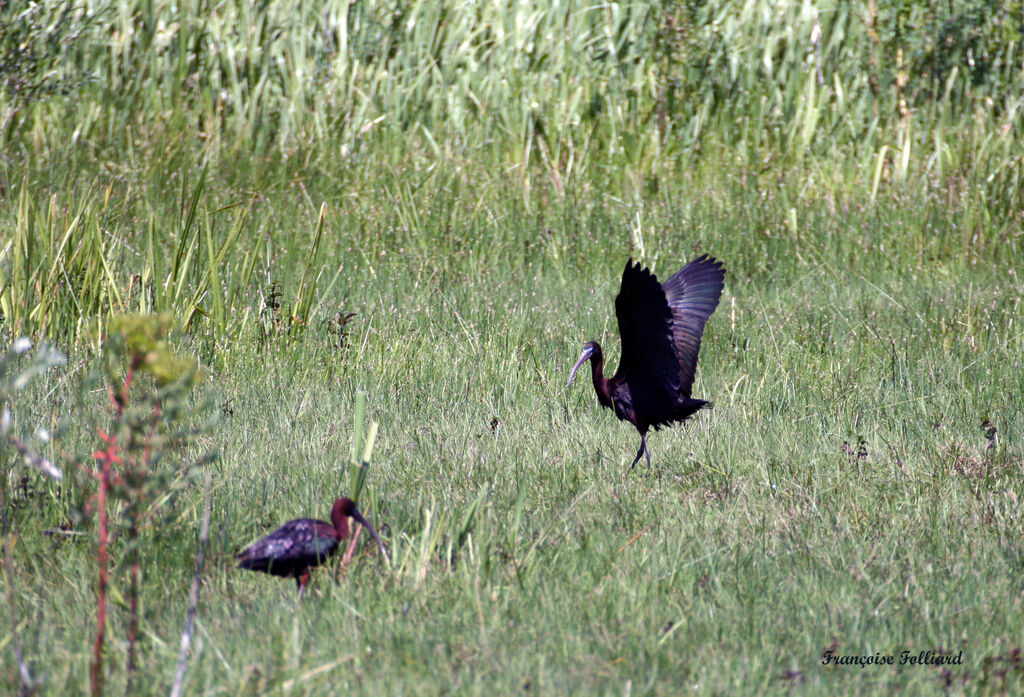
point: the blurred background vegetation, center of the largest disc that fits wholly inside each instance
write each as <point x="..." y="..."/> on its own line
<point x="117" y="111"/>
<point x="562" y="84"/>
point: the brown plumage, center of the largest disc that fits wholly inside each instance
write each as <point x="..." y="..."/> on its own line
<point x="661" y="327"/>
<point x="300" y="545"/>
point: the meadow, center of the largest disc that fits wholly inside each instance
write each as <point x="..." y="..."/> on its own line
<point x="383" y="233"/>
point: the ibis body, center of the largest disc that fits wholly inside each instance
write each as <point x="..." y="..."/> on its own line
<point x="300" y="545"/>
<point x="661" y="326"/>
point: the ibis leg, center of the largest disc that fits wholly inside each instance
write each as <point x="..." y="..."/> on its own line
<point x="636" y="459"/>
<point x="302" y="579"/>
<point x="644" y="450"/>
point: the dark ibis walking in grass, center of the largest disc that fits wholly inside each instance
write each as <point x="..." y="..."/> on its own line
<point x="661" y="326"/>
<point x="300" y="545"/>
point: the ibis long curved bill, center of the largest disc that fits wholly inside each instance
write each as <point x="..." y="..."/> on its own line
<point x="588" y="351"/>
<point x="358" y="517"/>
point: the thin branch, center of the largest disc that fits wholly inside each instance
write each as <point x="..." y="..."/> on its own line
<point x="35" y="459"/>
<point x="96" y="670"/>
<point x="133" y="604"/>
<point x="193" y="596"/>
<point x="23" y="672"/>
<point x="133" y="538"/>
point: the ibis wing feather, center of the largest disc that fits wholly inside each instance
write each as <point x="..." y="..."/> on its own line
<point x="298" y="542"/>
<point x="649" y="365"/>
<point x="692" y="294"/>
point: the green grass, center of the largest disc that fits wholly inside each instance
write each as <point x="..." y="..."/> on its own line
<point x="758" y="539"/>
<point x="847" y="489"/>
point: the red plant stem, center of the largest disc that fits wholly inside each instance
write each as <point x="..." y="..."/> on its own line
<point x="107" y="457"/>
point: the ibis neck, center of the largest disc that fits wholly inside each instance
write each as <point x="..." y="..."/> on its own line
<point x="600" y="381"/>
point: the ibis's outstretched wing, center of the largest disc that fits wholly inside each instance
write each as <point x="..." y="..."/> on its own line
<point x="692" y="294"/>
